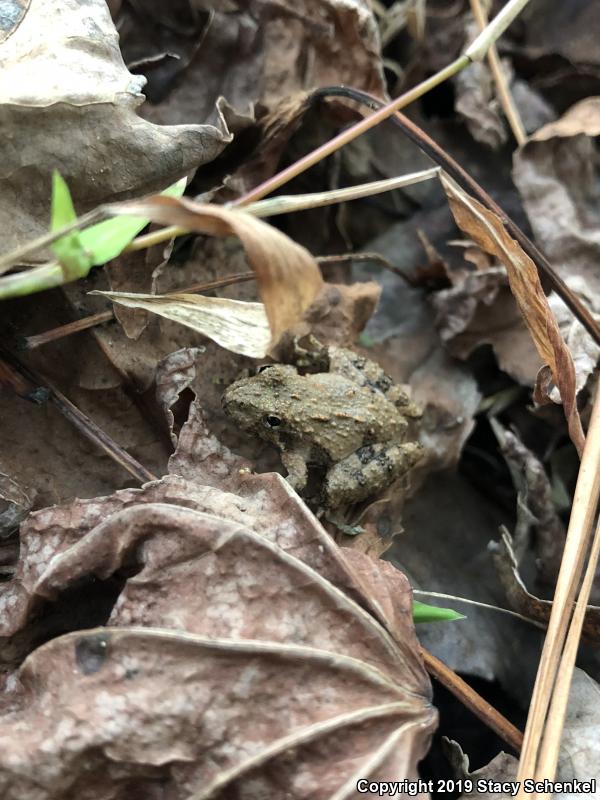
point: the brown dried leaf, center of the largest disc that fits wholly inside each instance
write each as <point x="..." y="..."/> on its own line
<point x="251" y="54"/>
<point x="199" y="455"/>
<point x="476" y="102"/>
<point x="486" y="229"/>
<point x="147" y="711"/>
<point x="134" y="272"/>
<point x="300" y="649"/>
<point x="480" y="309"/>
<point x="535" y="506"/>
<point x="556" y="176"/>
<point x="528" y="604"/>
<point x="584" y="349"/>
<point x="288" y="276"/>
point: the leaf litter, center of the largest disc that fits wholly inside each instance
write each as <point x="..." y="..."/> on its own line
<point x="203" y="635"/>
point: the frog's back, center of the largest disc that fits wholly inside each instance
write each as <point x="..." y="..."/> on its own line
<point x="344" y="416"/>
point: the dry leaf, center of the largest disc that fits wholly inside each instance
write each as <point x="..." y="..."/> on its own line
<point x="584" y="349"/>
<point x="535" y="505"/>
<point x="556" y="176"/>
<point x="68" y="100"/>
<point x="480" y="309"/>
<point x="129" y="712"/>
<point x="267" y="656"/>
<point x="135" y="271"/>
<point x="486" y="229"/>
<point x="476" y="102"/>
<point x="255" y="56"/>
<point x="288" y="276"/>
<point x="528" y="604"/>
<point x="199" y="455"/>
<point x="240" y="327"/>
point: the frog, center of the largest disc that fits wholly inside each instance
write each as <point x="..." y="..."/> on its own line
<point x="348" y="418"/>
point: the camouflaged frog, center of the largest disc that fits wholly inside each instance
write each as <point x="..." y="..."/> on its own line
<point x="350" y="420"/>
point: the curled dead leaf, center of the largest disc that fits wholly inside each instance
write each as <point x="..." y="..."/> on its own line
<point x="486" y="229"/>
<point x="528" y="604"/>
<point x="288" y="276"/>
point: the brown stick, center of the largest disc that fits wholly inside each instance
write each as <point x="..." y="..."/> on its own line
<point x="473" y="701"/>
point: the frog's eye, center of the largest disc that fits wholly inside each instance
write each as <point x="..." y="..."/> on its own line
<point x="271" y="421"/>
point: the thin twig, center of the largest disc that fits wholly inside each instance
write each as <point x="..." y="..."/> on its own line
<point x="504" y="95"/>
<point x="583" y="512"/>
<point x="473" y="701"/>
<point x="78" y="325"/>
<point x="477" y="50"/>
<point x="25" y="382"/>
<point x="453" y="168"/>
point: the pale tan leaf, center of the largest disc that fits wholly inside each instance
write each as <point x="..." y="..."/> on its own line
<point x="288" y="276"/>
<point x="240" y="327"/>
<point x="487" y="230"/>
<point x="583" y="117"/>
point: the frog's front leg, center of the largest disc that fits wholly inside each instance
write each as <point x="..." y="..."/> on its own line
<point x="368" y="471"/>
<point x="295" y="463"/>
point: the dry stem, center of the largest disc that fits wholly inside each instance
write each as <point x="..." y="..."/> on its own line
<point x="504" y="95"/>
<point x="576" y="546"/>
<point x="473" y="701"/>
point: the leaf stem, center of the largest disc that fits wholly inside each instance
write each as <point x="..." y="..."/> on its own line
<point x="504" y="95"/>
<point x="477" y="50"/>
<point x="40" y="339"/>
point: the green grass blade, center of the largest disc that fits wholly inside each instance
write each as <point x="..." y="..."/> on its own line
<point x="426" y="613"/>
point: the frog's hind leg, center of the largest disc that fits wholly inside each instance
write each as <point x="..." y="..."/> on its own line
<point x="368" y="471"/>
